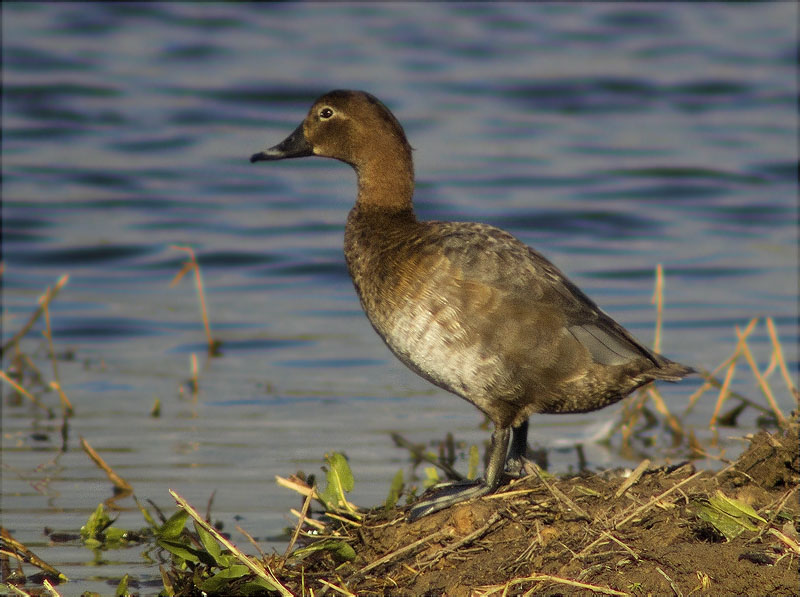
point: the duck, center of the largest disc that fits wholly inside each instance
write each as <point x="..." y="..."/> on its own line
<point x="466" y="305"/>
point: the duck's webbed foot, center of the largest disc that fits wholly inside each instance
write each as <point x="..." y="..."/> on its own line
<point x="444" y="495"/>
<point x="520" y="467"/>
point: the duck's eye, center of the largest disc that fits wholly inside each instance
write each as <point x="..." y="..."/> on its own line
<point x="325" y="113"/>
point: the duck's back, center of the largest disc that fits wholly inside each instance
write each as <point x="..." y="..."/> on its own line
<point x="479" y="313"/>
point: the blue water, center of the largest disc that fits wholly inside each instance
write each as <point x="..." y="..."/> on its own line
<point x="611" y="136"/>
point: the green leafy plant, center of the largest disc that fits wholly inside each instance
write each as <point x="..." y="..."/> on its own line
<point x="340" y="480"/>
<point x="98" y="532"/>
<point x="729" y="516"/>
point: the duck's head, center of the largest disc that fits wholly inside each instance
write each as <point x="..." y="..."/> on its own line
<point x="351" y="126"/>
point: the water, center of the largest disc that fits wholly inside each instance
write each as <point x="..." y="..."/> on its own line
<point x="610" y="136"/>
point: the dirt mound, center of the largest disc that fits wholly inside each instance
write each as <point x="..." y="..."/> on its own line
<point x="666" y="531"/>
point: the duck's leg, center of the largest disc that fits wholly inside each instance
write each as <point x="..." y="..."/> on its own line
<point x="517" y="464"/>
<point x="445" y="495"/>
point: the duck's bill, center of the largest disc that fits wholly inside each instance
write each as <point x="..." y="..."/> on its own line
<point x="294" y="146"/>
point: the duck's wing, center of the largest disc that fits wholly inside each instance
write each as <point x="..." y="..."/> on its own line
<point x="489" y="256"/>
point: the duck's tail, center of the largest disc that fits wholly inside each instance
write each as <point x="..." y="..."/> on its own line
<point x="670" y="370"/>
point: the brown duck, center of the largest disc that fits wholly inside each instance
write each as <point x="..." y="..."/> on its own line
<point x="466" y="305"/>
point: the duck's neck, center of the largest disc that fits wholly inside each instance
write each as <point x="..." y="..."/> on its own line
<point x="386" y="183"/>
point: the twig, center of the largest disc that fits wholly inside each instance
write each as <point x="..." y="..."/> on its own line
<point x="44" y="300"/>
<point x="555" y="579"/>
<point x="303" y="512"/>
<point x="337" y="589"/>
<point x="633" y="478"/>
<point x="462" y="542"/>
<point x="17" y="550"/>
<point x="297" y="485"/>
<point x="561" y="496"/>
<point x="655" y="500"/>
<point x="670" y="581"/>
<point x="309" y="521"/>
<point x="502" y="495"/>
<point x="790" y="543"/>
<point x="775" y="508"/>
<point x="622" y="545"/>
<point x="411" y="547"/>
<point x="252" y="541"/>
<point x="17" y="591"/>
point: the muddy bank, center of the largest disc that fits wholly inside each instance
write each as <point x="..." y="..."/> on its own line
<point x="666" y="531"/>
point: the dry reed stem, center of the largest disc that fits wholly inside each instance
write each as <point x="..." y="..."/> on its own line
<point x="658" y="301"/>
<point x="733" y="394"/>
<point x="297" y="485"/>
<point x="303" y="512"/>
<point x="18" y="551"/>
<point x="66" y="405"/>
<point x="120" y="483"/>
<point x="194" y="380"/>
<point x="707" y="384"/>
<point x="762" y="383"/>
<point x="43" y="301"/>
<point x="723" y="392"/>
<point x="631" y="415"/>
<point x="548" y="578"/>
<point x="661" y="407"/>
<point x="632" y="410"/>
<point x="260" y="569"/>
<point x="710" y="380"/>
<point x="27" y="394"/>
<point x="778" y="353"/>
<point x="192" y="264"/>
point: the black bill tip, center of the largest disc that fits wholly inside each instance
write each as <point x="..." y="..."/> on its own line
<point x="294" y="146"/>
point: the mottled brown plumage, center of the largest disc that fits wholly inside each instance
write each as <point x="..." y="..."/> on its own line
<point x="466" y="305"/>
